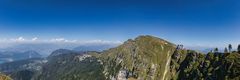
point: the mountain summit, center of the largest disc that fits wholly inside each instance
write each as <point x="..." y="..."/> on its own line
<point x="145" y="57"/>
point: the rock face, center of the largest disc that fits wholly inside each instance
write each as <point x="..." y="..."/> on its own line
<point x="144" y="58"/>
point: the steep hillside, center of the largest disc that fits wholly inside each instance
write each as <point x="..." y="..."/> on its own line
<point x="151" y="58"/>
<point x="146" y="57"/>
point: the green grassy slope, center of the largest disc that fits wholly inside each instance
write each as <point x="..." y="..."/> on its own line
<point x="142" y="58"/>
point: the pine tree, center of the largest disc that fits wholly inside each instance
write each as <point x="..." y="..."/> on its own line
<point x="216" y="50"/>
<point x="238" y="48"/>
<point x="230" y="48"/>
<point x="225" y="50"/>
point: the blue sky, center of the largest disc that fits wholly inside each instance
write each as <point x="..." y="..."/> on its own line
<point x="189" y="22"/>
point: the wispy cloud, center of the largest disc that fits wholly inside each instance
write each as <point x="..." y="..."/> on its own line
<point x="34" y="39"/>
<point x="19" y="39"/>
<point x="55" y="40"/>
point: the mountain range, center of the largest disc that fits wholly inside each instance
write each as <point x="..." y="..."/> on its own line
<point x="143" y="58"/>
<point x="9" y="56"/>
<point x="45" y="49"/>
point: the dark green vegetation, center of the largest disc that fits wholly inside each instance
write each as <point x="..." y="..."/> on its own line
<point x="191" y="65"/>
<point x="71" y="66"/>
<point x="144" y="58"/>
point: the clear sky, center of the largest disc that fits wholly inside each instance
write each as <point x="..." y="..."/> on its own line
<point x="189" y="22"/>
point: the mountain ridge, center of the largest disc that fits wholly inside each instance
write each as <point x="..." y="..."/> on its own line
<point x="143" y="58"/>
